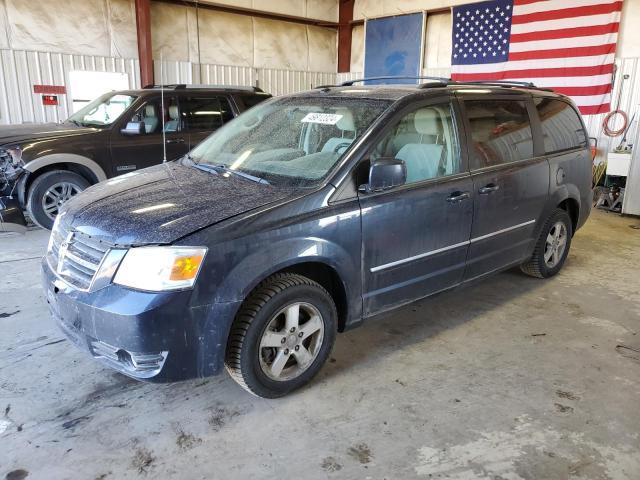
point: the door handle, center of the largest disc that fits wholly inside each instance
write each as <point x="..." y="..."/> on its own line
<point x="488" y="189"/>
<point x="175" y="140"/>
<point x="456" y="197"/>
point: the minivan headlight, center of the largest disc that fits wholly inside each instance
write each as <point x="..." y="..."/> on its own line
<point x="160" y="268"/>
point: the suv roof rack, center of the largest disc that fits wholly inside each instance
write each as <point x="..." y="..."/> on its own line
<point x="184" y="86"/>
<point x="501" y="83"/>
<point x="442" y="80"/>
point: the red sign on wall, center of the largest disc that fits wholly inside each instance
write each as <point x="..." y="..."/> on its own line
<point x="49" y="99"/>
<point x="53" y="89"/>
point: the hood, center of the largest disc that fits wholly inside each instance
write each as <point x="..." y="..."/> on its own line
<point x="16" y="134"/>
<point x="163" y="203"/>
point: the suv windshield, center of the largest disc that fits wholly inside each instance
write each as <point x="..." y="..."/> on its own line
<point x="292" y="142"/>
<point x="102" y="111"/>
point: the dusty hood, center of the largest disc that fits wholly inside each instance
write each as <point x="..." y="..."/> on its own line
<point x="163" y="203"/>
<point x="15" y="134"/>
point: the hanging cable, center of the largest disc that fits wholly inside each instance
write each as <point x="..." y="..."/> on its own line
<point x="606" y="123"/>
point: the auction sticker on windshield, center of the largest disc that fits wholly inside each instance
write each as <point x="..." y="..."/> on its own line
<point x="323" y="118"/>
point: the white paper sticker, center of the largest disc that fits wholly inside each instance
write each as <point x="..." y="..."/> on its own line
<point x="323" y="118"/>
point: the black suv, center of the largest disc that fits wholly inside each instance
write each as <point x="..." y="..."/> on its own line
<point x="309" y="214"/>
<point x="42" y="166"/>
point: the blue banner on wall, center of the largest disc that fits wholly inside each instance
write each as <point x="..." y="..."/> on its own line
<point x="393" y="47"/>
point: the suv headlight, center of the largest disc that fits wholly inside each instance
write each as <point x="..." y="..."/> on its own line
<point x="16" y="156"/>
<point x="160" y="268"/>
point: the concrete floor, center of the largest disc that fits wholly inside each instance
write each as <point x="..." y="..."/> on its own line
<point x="516" y="378"/>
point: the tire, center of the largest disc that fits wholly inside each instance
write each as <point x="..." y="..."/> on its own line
<point x="263" y="319"/>
<point x="539" y="265"/>
<point x="63" y="183"/>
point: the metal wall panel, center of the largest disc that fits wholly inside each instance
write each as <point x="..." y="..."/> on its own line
<point x="20" y="70"/>
<point x="274" y="81"/>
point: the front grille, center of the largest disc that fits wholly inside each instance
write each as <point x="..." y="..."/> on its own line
<point x="75" y="256"/>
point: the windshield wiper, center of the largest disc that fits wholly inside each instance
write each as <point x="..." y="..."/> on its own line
<point x="224" y="169"/>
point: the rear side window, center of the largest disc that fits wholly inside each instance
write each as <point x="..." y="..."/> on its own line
<point x="500" y="131"/>
<point x="561" y="127"/>
<point x="205" y="113"/>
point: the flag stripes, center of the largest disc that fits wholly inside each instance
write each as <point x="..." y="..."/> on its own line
<point x="566" y="45"/>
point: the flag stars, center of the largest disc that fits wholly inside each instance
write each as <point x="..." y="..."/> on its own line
<point x="481" y="34"/>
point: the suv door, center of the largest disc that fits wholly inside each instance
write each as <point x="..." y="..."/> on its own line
<point x="510" y="181"/>
<point x="201" y="115"/>
<point x="415" y="237"/>
<point x="133" y="152"/>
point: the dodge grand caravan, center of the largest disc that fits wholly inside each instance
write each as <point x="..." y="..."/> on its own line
<point x="308" y="214"/>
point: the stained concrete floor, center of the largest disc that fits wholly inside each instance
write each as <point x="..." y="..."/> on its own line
<point x="514" y="378"/>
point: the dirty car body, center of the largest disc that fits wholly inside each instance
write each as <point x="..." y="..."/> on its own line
<point x="367" y="199"/>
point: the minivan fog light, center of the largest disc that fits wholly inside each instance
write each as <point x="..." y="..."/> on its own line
<point x="160" y="268"/>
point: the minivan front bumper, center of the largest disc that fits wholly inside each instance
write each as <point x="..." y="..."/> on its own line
<point x="149" y="336"/>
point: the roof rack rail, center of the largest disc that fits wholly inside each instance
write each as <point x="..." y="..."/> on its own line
<point x="501" y="83"/>
<point x="349" y="83"/>
<point x="184" y="86"/>
<point x="170" y="86"/>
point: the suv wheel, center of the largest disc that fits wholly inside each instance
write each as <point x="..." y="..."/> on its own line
<point x="282" y="335"/>
<point x="552" y="247"/>
<point x="49" y="192"/>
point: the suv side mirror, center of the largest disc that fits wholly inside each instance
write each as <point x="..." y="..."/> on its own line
<point x="133" y="128"/>
<point x="385" y="173"/>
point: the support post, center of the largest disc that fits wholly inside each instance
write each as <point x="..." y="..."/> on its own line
<point x="143" y="29"/>
<point x="345" y="17"/>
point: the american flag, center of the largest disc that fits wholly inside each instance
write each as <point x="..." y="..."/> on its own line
<point x="566" y="45"/>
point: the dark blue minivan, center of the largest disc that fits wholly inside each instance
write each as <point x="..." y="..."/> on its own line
<point x="308" y="214"/>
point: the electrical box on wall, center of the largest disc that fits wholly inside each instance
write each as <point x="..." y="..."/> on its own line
<point x="50" y="100"/>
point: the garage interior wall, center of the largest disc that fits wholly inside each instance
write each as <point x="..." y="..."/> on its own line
<point x="42" y="45"/>
<point x="437" y="56"/>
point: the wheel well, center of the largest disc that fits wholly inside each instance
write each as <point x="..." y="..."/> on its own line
<point x="330" y="280"/>
<point x="571" y="206"/>
<point x="81" y="170"/>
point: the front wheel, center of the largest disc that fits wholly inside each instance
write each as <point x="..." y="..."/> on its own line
<point x="552" y="247"/>
<point x="282" y="335"/>
<point x="49" y="192"/>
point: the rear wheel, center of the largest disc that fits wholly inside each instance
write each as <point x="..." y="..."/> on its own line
<point x="552" y="247"/>
<point x="282" y="335"/>
<point x="49" y="192"/>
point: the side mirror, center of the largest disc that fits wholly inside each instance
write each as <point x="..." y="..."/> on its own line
<point x="133" y="128"/>
<point x="385" y="173"/>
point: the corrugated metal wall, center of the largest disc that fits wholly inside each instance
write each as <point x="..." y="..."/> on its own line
<point x="275" y="81"/>
<point x="20" y="70"/>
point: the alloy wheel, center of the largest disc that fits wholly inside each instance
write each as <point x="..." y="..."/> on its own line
<point x="555" y="244"/>
<point x="56" y="196"/>
<point x="291" y="341"/>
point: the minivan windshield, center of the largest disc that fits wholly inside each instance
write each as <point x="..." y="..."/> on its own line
<point x="290" y="142"/>
<point x="103" y="111"/>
